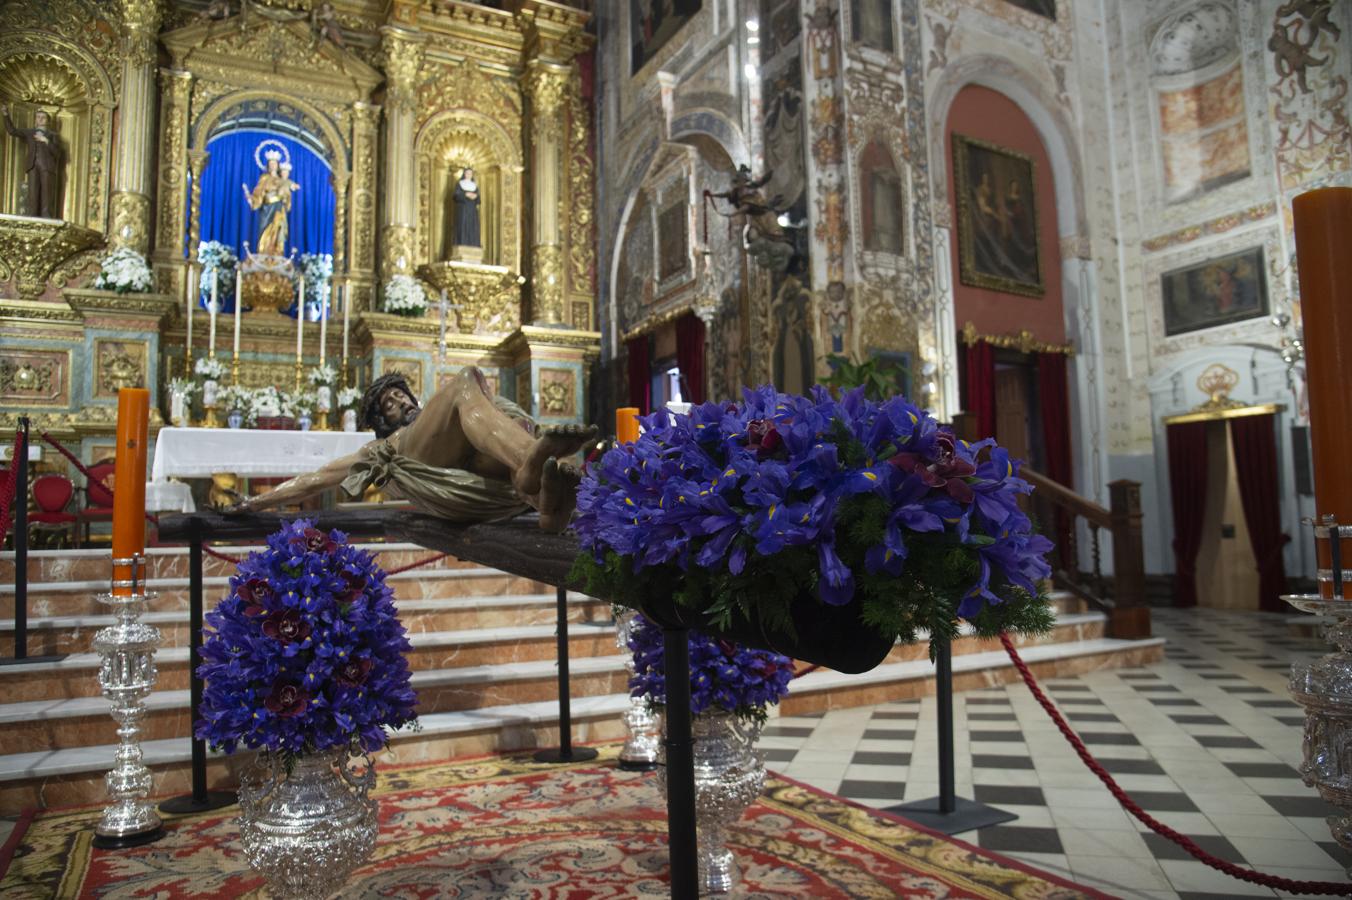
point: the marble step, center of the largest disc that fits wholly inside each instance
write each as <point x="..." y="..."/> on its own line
<point x="826" y="690"/>
<point x="45" y="778"/>
<point x="57" y="722"/>
<point x="75" y="675"/>
<point x="78" y="598"/>
<point x="77" y="721"/>
<point x="75" y="634"/>
<point x="72" y="775"/>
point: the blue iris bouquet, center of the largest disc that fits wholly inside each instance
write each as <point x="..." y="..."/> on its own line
<point x="723" y="675"/>
<point x="743" y="512"/>
<point x="306" y="653"/>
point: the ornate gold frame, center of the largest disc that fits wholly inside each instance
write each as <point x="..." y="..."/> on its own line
<point x="967" y="272"/>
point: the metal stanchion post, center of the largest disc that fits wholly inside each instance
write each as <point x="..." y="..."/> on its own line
<point x="200" y="799"/>
<point x="21" y="547"/>
<point x="565" y="752"/>
<point x="680" y="746"/>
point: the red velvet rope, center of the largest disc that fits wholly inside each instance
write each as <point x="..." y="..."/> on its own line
<point x="414" y="565"/>
<point x="11" y="484"/>
<point x="80" y="467"/>
<point x="1182" y="840"/>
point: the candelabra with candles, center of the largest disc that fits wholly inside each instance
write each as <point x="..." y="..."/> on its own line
<point x="1324" y="687"/>
<point x="126" y="675"/>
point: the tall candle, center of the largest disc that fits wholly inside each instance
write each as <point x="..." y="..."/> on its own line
<point x="1323" y="220"/>
<point x="323" y="326"/>
<point x="626" y="424"/>
<point x="238" y="294"/>
<point x="300" y="318"/>
<point x="129" y="479"/>
<point x="347" y="305"/>
<point x="441" y="336"/>
<point x="191" y="291"/>
<point x="215" y="284"/>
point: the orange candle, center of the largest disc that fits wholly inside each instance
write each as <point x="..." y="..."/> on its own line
<point x="129" y="479"/>
<point x="1323" y="221"/>
<point x="626" y="424"/>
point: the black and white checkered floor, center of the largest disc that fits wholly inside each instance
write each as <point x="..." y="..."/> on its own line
<point x="1207" y="742"/>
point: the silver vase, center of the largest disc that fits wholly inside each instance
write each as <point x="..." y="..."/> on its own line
<point x="729" y="776"/>
<point x="307" y="830"/>
<point x="639" y="753"/>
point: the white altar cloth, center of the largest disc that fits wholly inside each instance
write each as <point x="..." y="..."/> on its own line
<point x="251" y="453"/>
<point x="169" y="496"/>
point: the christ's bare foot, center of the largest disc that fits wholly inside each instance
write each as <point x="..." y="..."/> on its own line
<point x="558" y="495"/>
<point x="557" y="442"/>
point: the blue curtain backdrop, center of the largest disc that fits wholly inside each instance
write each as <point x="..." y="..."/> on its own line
<point x="226" y="216"/>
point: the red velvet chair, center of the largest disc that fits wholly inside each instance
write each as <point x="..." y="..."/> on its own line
<point x="98" y="499"/>
<point x="50" y="523"/>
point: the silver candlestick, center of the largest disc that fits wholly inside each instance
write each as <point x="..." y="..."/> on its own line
<point x="1324" y="687"/>
<point x="639" y="753"/>
<point x="126" y="675"/>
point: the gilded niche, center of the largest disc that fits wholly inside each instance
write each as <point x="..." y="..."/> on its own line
<point x="119" y="364"/>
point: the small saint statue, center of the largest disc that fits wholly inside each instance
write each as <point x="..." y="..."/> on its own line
<point x="271" y="199"/>
<point x="466" y="232"/>
<point x="42" y="165"/>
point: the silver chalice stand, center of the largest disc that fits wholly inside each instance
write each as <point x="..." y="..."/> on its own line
<point x="1324" y="687"/>
<point x="126" y="675"/>
<point x="639" y="753"/>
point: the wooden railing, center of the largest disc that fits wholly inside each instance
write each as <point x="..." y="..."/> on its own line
<point x="1059" y="510"/>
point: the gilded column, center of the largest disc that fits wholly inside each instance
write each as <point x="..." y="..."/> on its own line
<point x="545" y="86"/>
<point x="403" y="50"/>
<point x="197" y="161"/>
<point x="361" y="200"/>
<point x="133" y="155"/>
<point x="172" y="191"/>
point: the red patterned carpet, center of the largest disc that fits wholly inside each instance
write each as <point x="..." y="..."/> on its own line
<point x="506" y="827"/>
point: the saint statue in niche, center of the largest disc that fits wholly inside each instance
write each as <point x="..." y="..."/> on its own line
<point x="466" y="232"/>
<point x="271" y="200"/>
<point x="42" y="165"/>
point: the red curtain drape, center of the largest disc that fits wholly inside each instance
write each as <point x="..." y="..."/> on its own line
<point x="981" y="388"/>
<point x="1255" y="443"/>
<point x="690" y="356"/>
<point x="1054" y="400"/>
<point x="640" y="374"/>
<point x="1187" y="488"/>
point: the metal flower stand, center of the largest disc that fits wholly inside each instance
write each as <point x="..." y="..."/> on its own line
<point x="126" y="675"/>
<point x="1324" y="687"/>
<point x="640" y="750"/>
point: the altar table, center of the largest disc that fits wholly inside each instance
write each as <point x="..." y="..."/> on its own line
<point x="250" y="453"/>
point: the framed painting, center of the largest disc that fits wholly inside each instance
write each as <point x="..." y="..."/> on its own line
<point x="1217" y="292"/>
<point x="1045" y="8"/>
<point x="995" y="190"/>
<point x="652" y="23"/>
<point x="673" y="241"/>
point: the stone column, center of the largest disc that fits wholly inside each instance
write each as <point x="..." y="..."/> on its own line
<point x="545" y="85"/>
<point x="403" y="50"/>
<point x="133" y="155"/>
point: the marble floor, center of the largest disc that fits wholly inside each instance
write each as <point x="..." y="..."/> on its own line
<point x="1206" y="741"/>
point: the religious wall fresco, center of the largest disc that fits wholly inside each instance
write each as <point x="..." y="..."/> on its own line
<point x="871" y="24"/>
<point x="1308" y="86"/>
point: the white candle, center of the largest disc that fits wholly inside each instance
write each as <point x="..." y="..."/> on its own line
<point x="300" y="318"/>
<point x="215" y="284"/>
<point x="441" y="339"/>
<point x="238" y="288"/>
<point x="323" y="326"/>
<point x="347" y="306"/>
<point x="192" y="305"/>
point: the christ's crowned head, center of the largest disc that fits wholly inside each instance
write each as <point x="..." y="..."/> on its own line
<point x="389" y="405"/>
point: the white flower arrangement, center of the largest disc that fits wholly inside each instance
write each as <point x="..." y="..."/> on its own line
<point x="210" y="369"/>
<point x="404" y="296"/>
<point x="298" y="404"/>
<point x="349" y="398"/>
<point x="184" y="387"/>
<point x="125" y="271"/>
<point x="237" y="397"/>
<point x="317" y="268"/>
<point x="268" y="402"/>
<point x="324" y="374"/>
<point x="216" y="257"/>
